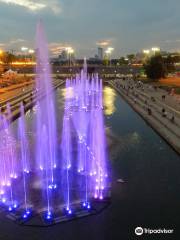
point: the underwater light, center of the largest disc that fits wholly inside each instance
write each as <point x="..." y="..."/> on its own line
<point x="1" y="192"/>
<point x="26" y="214"/>
<point x="3" y="200"/>
<point x="10" y="208"/>
<point x="101" y="197"/>
<point x="8" y="184"/>
<point x="86" y="205"/>
<point x="52" y="186"/>
<point x="48" y="216"/>
<point x="69" y="166"/>
<point x="14" y="176"/>
<point x="70" y="211"/>
<point x="15" y="206"/>
<point x="95" y="196"/>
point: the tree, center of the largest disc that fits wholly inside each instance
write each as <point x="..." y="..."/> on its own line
<point x="123" y="61"/>
<point x="170" y="63"/>
<point x="131" y="57"/>
<point x="155" y="67"/>
<point x="105" y="61"/>
<point x="8" y="58"/>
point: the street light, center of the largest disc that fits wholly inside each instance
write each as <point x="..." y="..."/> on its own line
<point x="155" y="49"/>
<point x="24" y="49"/>
<point x="111" y="49"/>
<point x="69" y="51"/>
<point x="146" y="51"/>
<point x="31" y="51"/>
<point x="1" y="54"/>
<point x="109" y="52"/>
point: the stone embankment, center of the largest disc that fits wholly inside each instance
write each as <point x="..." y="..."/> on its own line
<point x="28" y="98"/>
<point x="158" y="109"/>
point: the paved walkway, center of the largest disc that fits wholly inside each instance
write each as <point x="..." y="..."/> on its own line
<point x="14" y="90"/>
<point x="29" y="99"/>
<point x="162" y="114"/>
<point x="171" y="101"/>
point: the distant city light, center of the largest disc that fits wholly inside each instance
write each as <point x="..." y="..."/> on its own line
<point x="24" y="49"/>
<point x="31" y="51"/>
<point x="70" y="50"/>
<point x="107" y="52"/>
<point x="24" y="63"/>
<point x="146" y="51"/>
<point x="156" y="49"/>
<point x="110" y="49"/>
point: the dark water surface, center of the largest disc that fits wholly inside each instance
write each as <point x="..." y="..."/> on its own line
<point x="149" y="197"/>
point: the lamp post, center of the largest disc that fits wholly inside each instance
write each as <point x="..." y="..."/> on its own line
<point x="155" y="50"/>
<point x="109" y="53"/>
<point x="146" y="51"/>
<point x="1" y="53"/>
<point x="31" y="52"/>
<point x="69" y="51"/>
<point x="25" y="51"/>
<point x="1" y="62"/>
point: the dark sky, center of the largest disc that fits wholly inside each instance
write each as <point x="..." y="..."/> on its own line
<point x="127" y="25"/>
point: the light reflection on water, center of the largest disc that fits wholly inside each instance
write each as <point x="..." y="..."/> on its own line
<point x="149" y="167"/>
<point x="109" y="100"/>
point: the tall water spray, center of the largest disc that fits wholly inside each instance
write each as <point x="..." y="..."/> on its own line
<point x="84" y="108"/>
<point x="46" y="151"/>
<point x="62" y="178"/>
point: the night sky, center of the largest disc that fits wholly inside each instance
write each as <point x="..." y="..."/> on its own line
<point x="127" y="25"/>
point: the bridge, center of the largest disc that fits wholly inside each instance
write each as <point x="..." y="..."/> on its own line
<point x="105" y="72"/>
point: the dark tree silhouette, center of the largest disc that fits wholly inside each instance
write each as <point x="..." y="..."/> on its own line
<point x="155" y="67"/>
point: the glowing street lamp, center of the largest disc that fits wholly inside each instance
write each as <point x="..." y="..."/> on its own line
<point x="155" y="50"/>
<point x="110" y="49"/>
<point x="1" y="54"/>
<point x="31" y="51"/>
<point x="109" y="53"/>
<point x="146" y="51"/>
<point x="69" y="51"/>
<point x="24" y="49"/>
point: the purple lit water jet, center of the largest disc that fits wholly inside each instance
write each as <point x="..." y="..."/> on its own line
<point x="49" y="175"/>
<point x="24" y="153"/>
<point x="45" y="119"/>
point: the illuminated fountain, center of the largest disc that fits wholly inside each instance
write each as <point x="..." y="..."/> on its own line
<point x="56" y="181"/>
